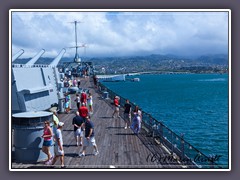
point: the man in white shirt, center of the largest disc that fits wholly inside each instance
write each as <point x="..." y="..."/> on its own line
<point x="58" y="147"/>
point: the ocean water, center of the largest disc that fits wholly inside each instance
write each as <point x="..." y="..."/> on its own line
<point x="193" y="104"/>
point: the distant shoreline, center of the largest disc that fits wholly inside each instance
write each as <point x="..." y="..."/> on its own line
<point x="167" y="72"/>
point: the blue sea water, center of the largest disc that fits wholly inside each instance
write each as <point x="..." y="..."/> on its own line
<point x="193" y="104"/>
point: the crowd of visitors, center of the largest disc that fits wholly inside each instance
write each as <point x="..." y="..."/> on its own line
<point x="83" y="126"/>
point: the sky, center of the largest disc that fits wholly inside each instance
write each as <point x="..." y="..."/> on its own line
<point x="120" y="33"/>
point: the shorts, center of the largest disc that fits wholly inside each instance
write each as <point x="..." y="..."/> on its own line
<point x="90" y="103"/>
<point x="89" y="142"/>
<point x="127" y="117"/>
<point x="78" y="132"/>
<point x="117" y="108"/>
<point x="57" y="151"/>
<point x="47" y="143"/>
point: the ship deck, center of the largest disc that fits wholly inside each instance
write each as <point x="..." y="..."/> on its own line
<point x="118" y="147"/>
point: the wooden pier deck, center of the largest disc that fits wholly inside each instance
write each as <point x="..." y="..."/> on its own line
<point x="118" y="147"/>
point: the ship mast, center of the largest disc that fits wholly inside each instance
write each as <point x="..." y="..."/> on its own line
<point x="76" y="58"/>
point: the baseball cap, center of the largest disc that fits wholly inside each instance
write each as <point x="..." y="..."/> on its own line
<point x="60" y="123"/>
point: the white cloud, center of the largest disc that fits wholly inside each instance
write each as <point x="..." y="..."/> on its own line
<point x="121" y="33"/>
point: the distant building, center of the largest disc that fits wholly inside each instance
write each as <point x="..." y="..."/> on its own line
<point x="103" y="70"/>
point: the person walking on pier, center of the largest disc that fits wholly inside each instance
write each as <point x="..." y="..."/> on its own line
<point x="58" y="147"/>
<point x="95" y="80"/>
<point x="136" y="121"/>
<point x="77" y="100"/>
<point x="83" y="111"/>
<point x="90" y="103"/>
<point x="78" y="130"/>
<point x="47" y="142"/>
<point x="67" y="108"/>
<point x="138" y="111"/>
<point x="75" y="82"/>
<point x="127" y="113"/>
<point x="89" y="138"/>
<point x="67" y="103"/>
<point x="69" y="100"/>
<point x="55" y="121"/>
<point x="83" y="97"/>
<point x="116" y="104"/>
<point x="79" y="83"/>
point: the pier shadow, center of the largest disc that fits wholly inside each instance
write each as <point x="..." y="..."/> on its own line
<point x="67" y="130"/>
<point x="89" y="154"/>
<point x="105" y="117"/>
<point x="125" y="134"/>
<point x="75" y="155"/>
<point x="41" y="167"/>
<point x="151" y="145"/>
<point x="71" y="155"/>
<point x="100" y="98"/>
<point x="69" y="145"/>
<point x="117" y="127"/>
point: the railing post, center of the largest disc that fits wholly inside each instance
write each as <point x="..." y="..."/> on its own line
<point x="211" y="161"/>
<point x="172" y="142"/>
<point x="182" y="144"/>
<point x="151" y="125"/>
<point x="151" y="120"/>
<point x="161" y="132"/>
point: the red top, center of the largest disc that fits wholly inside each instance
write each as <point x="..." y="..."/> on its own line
<point x="83" y="111"/>
<point x="46" y="131"/>
<point x="116" y="103"/>
<point x="83" y="97"/>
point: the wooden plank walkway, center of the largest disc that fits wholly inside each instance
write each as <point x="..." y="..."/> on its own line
<point x="118" y="147"/>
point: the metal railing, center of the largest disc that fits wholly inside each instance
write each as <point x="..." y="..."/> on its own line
<point x="184" y="152"/>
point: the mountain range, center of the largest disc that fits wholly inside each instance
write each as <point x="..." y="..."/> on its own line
<point x="216" y="59"/>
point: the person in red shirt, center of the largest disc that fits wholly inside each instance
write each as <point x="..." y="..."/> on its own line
<point x="83" y="97"/>
<point x="83" y="111"/>
<point x="116" y="104"/>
